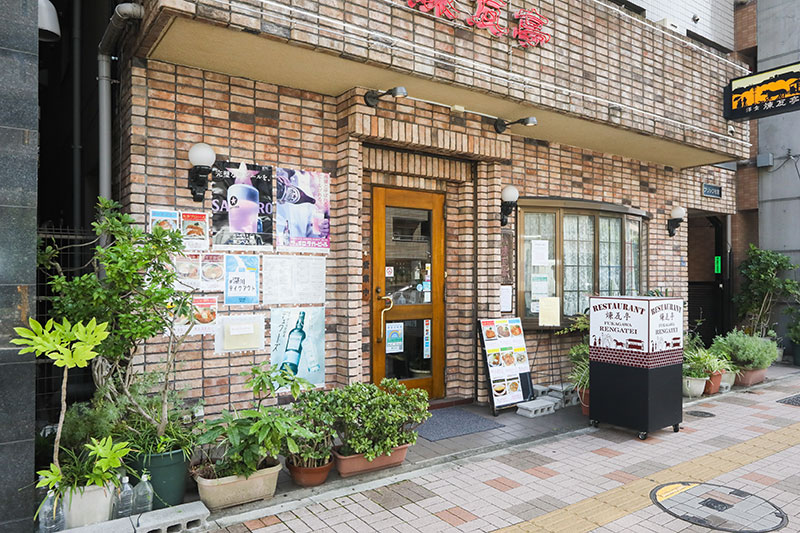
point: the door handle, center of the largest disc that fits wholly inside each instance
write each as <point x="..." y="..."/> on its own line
<point x="383" y="313"/>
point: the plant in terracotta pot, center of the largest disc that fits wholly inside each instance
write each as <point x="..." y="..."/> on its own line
<point x="311" y="463"/>
<point x="580" y="378"/>
<point x="751" y="355"/>
<point x="241" y="447"/>
<point x="375" y="424"/>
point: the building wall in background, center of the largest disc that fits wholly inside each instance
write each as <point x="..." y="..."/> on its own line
<point x="715" y="21"/>
<point x="19" y="152"/>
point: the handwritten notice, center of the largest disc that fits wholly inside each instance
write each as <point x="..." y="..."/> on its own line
<point x="241" y="279"/>
<point x="549" y="312"/>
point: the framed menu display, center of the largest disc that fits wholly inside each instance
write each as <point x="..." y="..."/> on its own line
<point x="507" y="363"/>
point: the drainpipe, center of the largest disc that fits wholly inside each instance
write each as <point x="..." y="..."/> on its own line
<point x="77" y="197"/>
<point x="122" y="14"/>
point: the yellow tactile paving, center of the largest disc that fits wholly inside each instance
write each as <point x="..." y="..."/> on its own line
<point x="613" y="504"/>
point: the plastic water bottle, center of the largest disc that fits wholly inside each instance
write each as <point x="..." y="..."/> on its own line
<point x="125" y="505"/>
<point x="115" y="498"/>
<point x="143" y="496"/>
<point x="51" y="515"/>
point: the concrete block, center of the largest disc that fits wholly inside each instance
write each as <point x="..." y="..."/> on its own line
<point x="562" y="387"/>
<point x="535" y="408"/>
<point x="539" y="390"/>
<point x="188" y="517"/>
<point x="121" y="525"/>
<point x="557" y="402"/>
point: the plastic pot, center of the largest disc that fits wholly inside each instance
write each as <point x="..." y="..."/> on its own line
<point x="91" y="506"/>
<point x="306" y="476"/>
<point x="728" y="377"/>
<point x="167" y="475"/>
<point x="351" y="465"/>
<point x="236" y="490"/>
<point x="746" y="378"/>
<point x="712" y="385"/>
<point x="693" y="387"/>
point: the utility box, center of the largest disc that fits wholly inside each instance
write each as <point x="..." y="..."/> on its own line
<point x="635" y="362"/>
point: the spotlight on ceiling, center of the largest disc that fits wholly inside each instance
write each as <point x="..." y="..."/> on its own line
<point x="501" y="125"/>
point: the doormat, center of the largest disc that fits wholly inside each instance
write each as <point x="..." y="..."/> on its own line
<point x="454" y="422"/>
<point x="791" y="400"/>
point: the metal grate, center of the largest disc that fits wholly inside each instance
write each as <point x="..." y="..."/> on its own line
<point x="791" y="400"/>
<point x="73" y="259"/>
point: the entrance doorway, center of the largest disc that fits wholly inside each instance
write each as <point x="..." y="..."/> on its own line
<point x="709" y="302"/>
<point x="408" y="288"/>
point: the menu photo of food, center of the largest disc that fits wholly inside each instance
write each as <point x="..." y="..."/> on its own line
<point x="507" y="356"/>
<point x="203" y="317"/>
<point x="503" y="331"/>
<point x="516" y="329"/>
<point x="494" y="359"/>
<point x="212" y="272"/>
<point x="489" y="330"/>
<point x="187" y="267"/>
<point x="194" y="228"/>
<point x="166" y="220"/>
<point x="499" y="387"/>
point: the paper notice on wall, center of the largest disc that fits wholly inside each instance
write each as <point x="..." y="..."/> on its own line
<point x="505" y="298"/>
<point x="294" y="279"/>
<point x="540" y="255"/>
<point x="194" y="229"/>
<point x="166" y="220"/>
<point x="426" y="340"/>
<point x="241" y="279"/>
<point x="540" y="286"/>
<point x="394" y="337"/>
<point x="237" y="333"/>
<point x="203" y="315"/>
<point x="549" y="312"/>
<point x="187" y="270"/>
<point x="212" y="272"/>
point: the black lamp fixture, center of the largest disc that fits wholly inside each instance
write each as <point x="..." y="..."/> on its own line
<point x="508" y="196"/>
<point x="675" y="218"/>
<point x="371" y="97"/>
<point x="202" y="157"/>
<point x="501" y="125"/>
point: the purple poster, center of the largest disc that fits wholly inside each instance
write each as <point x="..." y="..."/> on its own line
<point x="302" y="212"/>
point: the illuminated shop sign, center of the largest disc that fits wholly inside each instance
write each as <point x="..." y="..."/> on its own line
<point x="766" y="93"/>
<point x="488" y="15"/>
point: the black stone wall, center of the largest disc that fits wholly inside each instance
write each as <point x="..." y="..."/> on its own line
<point x="19" y="152"/>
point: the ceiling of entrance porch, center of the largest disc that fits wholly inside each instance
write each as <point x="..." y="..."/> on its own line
<point x="200" y="45"/>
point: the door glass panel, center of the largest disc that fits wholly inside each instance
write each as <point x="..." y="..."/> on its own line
<point x="408" y="257"/>
<point x="408" y="349"/>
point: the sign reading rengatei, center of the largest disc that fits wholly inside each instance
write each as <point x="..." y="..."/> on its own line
<point x="766" y="93"/>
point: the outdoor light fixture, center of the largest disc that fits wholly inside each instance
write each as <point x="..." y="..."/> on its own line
<point x="675" y="218"/>
<point x="201" y="156"/>
<point x="49" y="29"/>
<point x="508" y="197"/>
<point x="500" y="125"/>
<point x="371" y="97"/>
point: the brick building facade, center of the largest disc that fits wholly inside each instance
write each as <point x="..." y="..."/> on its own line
<point x="629" y="115"/>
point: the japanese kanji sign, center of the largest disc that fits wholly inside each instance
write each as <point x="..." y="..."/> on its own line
<point x="766" y="93"/>
<point x="490" y="15"/>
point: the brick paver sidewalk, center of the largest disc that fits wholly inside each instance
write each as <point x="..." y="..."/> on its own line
<point x="599" y="480"/>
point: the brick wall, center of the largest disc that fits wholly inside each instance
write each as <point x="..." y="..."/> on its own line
<point x="744" y="25"/>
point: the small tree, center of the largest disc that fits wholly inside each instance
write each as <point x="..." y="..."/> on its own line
<point x="763" y="287"/>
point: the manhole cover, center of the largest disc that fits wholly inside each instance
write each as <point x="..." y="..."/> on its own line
<point x="719" y="508"/>
<point x="701" y="414"/>
<point x="791" y="400"/>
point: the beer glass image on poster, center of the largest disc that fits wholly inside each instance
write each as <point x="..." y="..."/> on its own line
<point x="302" y="209"/>
<point x="298" y="341"/>
<point x="241" y="207"/>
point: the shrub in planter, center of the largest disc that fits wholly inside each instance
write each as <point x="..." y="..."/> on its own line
<point x="580" y="378"/>
<point x="250" y="441"/>
<point x="751" y="355"/>
<point x="694" y="374"/>
<point x="374" y="423"/>
<point x="313" y="460"/>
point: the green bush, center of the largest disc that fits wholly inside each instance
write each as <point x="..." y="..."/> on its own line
<point x="794" y="332"/>
<point x="372" y="420"/>
<point x="580" y="374"/>
<point x="314" y="413"/>
<point x="745" y="351"/>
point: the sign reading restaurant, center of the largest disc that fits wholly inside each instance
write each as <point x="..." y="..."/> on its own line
<point x="761" y="95"/>
<point x="489" y="15"/>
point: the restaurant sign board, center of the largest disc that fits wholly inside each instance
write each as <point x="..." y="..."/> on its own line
<point x="760" y="95"/>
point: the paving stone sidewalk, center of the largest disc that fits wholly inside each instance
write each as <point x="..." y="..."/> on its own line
<point x="597" y="480"/>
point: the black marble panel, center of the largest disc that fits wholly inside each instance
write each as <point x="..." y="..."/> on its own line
<point x="16" y="482"/>
<point x="19" y="89"/>
<point x="17" y="245"/>
<point x="18" y="166"/>
<point x="17" y="384"/>
<point x="19" y="25"/>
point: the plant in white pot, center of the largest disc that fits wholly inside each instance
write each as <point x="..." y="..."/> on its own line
<point x="694" y="375"/>
<point x="250" y="441"/>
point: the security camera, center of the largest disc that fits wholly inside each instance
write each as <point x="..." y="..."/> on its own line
<point x="731" y="130"/>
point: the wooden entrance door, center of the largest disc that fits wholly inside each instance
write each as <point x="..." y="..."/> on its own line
<point x="408" y="288"/>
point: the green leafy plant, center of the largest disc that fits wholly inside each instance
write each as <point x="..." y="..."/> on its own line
<point x="579" y="375"/>
<point x="794" y="332"/>
<point x="763" y="287"/>
<point x="313" y="411"/>
<point x="747" y="352"/>
<point x="373" y="420"/>
<point x="251" y="439"/>
<point x="579" y="353"/>
<point x="693" y="365"/>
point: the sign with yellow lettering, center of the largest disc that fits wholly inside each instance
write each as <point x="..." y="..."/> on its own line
<point x="766" y="93"/>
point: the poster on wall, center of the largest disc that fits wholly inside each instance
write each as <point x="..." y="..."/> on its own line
<point x="394" y="337"/>
<point x="506" y="359"/>
<point x="241" y="279"/>
<point x="194" y="230"/>
<point x="240" y="333"/>
<point x="302" y="210"/>
<point x="204" y="314"/>
<point x="298" y="341"/>
<point x="212" y="272"/>
<point x="164" y="219"/>
<point x="241" y="207"/>
<point x="187" y="270"/>
<point x="294" y="279"/>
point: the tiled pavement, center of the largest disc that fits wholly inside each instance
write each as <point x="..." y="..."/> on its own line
<point x="593" y="480"/>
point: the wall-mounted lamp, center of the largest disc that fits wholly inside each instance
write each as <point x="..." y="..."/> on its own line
<point x="202" y="157"/>
<point x="675" y="218"/>
<point x="49" y="28"/>
<point x="501" y="125"/>
<point x="371" y="97"/>
<point x="508" y="196"/>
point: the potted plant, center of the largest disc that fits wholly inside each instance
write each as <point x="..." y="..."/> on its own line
<point x="579" y="356"/>
<point x="794" y="336"/>
<point x="241" y="457"/>
<point x="132" y="288"/>
<point x="311" y="463"/>
<point x="694" y="375"/>
<point x="83" y="481"/>
<point x="751" y="355"/>
<point x="375" y="424"/>
<point x="580" y="378"/>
